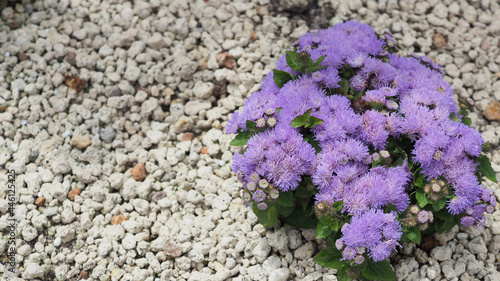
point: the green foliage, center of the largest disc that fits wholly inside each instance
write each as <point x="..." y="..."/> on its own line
<point x="306" y="120"/>
<point x="414" y="235"/>
<point x="303" y="63"/>
<point x="281" y="77"/>
<point x="421" y="198"/>
<point x="329" y="257"/>
<point x="378" y="270"/>
<point x="485" y="168"/>
<point x="323" y="230"/>
<point x="267" y="217"/>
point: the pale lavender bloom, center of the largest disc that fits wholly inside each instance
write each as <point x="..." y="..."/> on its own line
<point x="259" y="196"/>
<point x="366" y="230"/>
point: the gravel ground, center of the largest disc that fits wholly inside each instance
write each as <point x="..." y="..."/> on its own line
<point x="112" y="117"/>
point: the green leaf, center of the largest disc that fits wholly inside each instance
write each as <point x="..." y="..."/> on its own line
<point x="240" y="139"/>
<point x="302" y="191"/>
<point x="281" y="77"/>
<point x="267" y="217"/>
<point x="329" y="257"/>
<point x="310" y="139"/>
<point x="334" y="225"/>
<point x="337" y="205"/>
<point x="286" y="199"/>
<point x="444" y="215"/>
<point x="319" y="60"/>
<point x="378" y="270"/>
<point x="292" y="59"/>
<point x="313" y="121"/>
<point x="420" y="181"/>
<point x="390" y="208"/>
<point x="342" y="274"/>
<point x="323" y="230"/>
<point x="421" y="198"/>
<point x="251" y="125"/>
<point x="344" y="84"/>
<point x="466" y="121"/>
<point x="445" y="226"/>
<point x="298" y="121"/>
<point x="285" y="211"/>
<point x="300" y="219"/>
<point x="438" y="205"/>
<point x="485" y="168"/>
<point x="414" y="234"/>
<point x="312" y="69"/>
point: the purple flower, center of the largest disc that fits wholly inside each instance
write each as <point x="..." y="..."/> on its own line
<point x="359" y="259"/>
<point x="467" y="221"/>
<point x="259" y="196"/>
<point x="369" y="230"/>
<point x="374" y="129"/>
<point x="349" y="253"/>
<point x="262" y="206"/>
<point x="423" y="216"/>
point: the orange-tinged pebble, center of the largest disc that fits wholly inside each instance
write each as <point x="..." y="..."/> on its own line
<point x="173" y="250"/>
<point x="40" y="201"/>
<point x="81" y="142"/>
<point x="74" y="192"/>
<point x="204" y="150"/>
<point x="118" y="219"/>
<point x="84" y="274"/>
<point x="139" y="172"/>
<point x="187" y="136"/>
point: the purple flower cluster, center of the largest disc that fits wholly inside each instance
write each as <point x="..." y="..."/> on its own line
<point x="400" y="97"/>
<point x="374" y="231"/>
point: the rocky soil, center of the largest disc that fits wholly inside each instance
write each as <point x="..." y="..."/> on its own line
<point x="112" y="117"/>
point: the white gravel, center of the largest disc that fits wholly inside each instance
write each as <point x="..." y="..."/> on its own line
<point x="156" y="95"/>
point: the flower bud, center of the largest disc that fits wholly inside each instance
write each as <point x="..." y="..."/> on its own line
<point x="339" y="244"/>
<point x="427" y="188"/>
<point x="435" y="197"/>
<point x="274" y="194"/>
<point x="251" y="186"/>
<point x="437" y="155"/>
<point x="263" y="183"/>
<point x="384" y="154"/>
<point x="375" y="157"/>
<point x="259" y="196"/>
<point x="254" y="177"/>
<point x="411" y="221"/>
<point x="359" y="259"/>
<point x="414" y="209"/>
<point x="261" y="122"/>
<point x="435" y="187"/>
<point x="246" y="196"/>
<point x="269" y="111"/>
<point x="271" y="121"/>
<point x="423" y="216"/>
<point x="262" y="206"/>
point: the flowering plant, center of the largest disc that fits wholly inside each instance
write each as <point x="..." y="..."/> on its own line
<point x="367" y="146"/>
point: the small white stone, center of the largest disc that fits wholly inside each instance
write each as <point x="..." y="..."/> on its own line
<point x="57" y="241"/>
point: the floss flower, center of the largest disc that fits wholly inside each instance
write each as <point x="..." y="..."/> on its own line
<point x="374" y="139"/>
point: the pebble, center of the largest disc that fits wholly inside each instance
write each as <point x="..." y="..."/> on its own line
<point x="74" y="192"/>
<point x="57" y="241"/>
<point x="82" y="142"/>
<point x="153" y="84"/>
<point x="118" y="219"/>
<point x="33" y="271"/>
<point x="139" y="172"/>
<point x="492" y="111"/>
